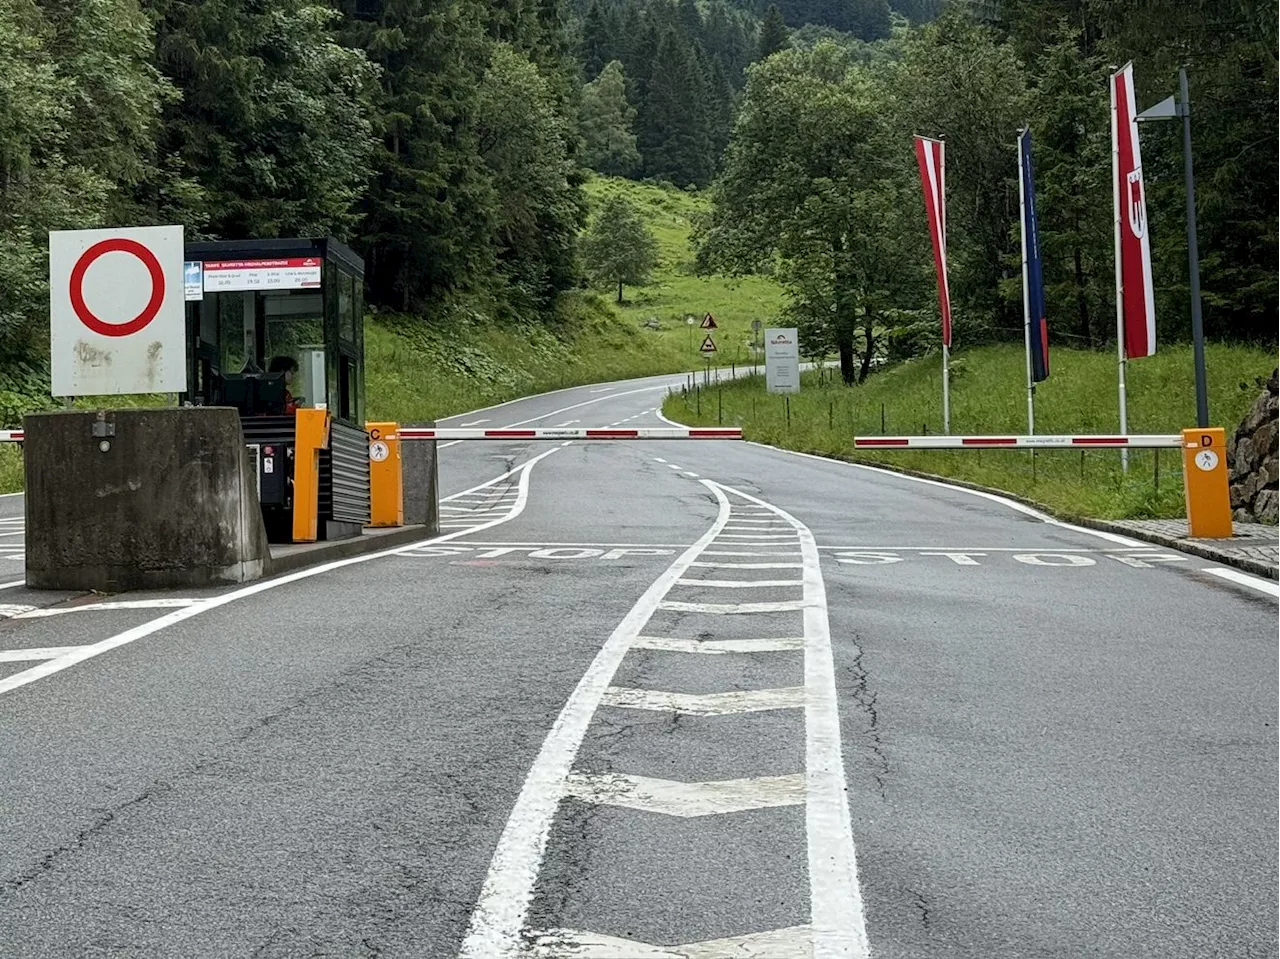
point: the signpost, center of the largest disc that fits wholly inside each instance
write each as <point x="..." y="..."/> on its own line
<point x="707" y="348"/>
<point x="116" y="311"/>
<point x="782" y="360"/>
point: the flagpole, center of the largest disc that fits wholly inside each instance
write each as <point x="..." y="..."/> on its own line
<point x="1115" y="194"/>
<point x="1026" y="295"/>
<point x="942" y="232"/>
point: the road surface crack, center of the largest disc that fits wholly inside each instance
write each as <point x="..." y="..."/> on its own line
<point x="921" y="905"/>
<point x="866" y="698"/>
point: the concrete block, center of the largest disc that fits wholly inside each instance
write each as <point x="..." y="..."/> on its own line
<point x="140" y="499"/>
<point x="421" y="481"/>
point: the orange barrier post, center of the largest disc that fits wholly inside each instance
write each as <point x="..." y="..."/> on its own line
<point x="312" y="436"/>
<point x="1204" y="477"/>
<point x="386" y="476"/>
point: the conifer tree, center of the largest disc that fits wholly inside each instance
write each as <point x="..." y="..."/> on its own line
<point x="773" y="33"/>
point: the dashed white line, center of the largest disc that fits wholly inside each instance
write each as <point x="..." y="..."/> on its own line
<point x="719" y="646"/>
<point x="670" y="797"/>
<point x="706" y="704"/>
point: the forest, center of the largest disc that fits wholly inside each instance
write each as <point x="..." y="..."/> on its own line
<point x="448" y="141"/>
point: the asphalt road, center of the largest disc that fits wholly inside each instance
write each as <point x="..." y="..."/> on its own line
<point x="654" y="700"/>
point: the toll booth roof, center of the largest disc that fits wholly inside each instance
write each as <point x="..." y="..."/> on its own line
<point x="324" y="247"/>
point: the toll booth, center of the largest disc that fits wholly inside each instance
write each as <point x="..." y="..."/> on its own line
<point x="275" y="328"/>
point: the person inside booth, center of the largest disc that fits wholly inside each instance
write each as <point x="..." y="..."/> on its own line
<point x="287" y="366"/>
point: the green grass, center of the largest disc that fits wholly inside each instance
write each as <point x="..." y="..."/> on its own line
<point x="675" y="292"/>
<point x="988" y="395"/>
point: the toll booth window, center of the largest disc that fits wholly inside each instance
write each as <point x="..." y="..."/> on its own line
<point x="347" y="307"/>
<point x="347" y="388"/>
<point x="294" y="328"/>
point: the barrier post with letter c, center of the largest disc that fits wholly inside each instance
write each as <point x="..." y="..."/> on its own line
<point x="386" y="477"/>
<point x="1204" y="477"/>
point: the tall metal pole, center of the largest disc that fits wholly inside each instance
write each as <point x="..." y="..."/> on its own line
<point x="1193" y="255"/>
<point x="1115" y="194"/>
<point x="1026" y="298"/>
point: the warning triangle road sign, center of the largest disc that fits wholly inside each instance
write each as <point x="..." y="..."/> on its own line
<point x="709" y="322"/>
<point x="708" y="345"/>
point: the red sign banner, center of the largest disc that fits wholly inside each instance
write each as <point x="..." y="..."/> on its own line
<point x="1133" y="246"/>
<point x="930" y="154"/>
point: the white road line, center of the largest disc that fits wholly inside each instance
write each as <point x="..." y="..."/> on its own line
<point x="670" y="797"/>
<point x="728" y="552"/>
<point x="672" y="466"/>
<point x="740" y="583"/>
<point x="605" y="390"/>
<point x="659" y="459"/>
<point x="497" y="922"/>
<point x="718" y="646"/>
<point x="16" y="582"/>
<point x="775" y="537"/>
<point x="1244" y="579"/>
<point x="749" y="565"/>
<point x="9" y="610"/>
<point x="49" y="667"/>
<point x="706" y="704"/>
<point x="45" y="652"/>
<point x="835" y="896"/>
<point x="109" y="607"/>
<point x="733" y="609"/>
<point x="791" y="943"/>
<point x="476" y="422"/>
<point x="688" y="474"/>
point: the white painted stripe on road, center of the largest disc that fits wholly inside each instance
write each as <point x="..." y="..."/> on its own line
<point x="750" y="565"/>
<point x="774" y="537"/>
<point x="46" y="612"/>
<point x="670" y="797"/>
<point x="733" y="609"/>
<point x="706" y="704"/>
<point x="1244" y="579"/>
<point x="49" y="667"/>
<point x="689" y="474"/>
<point x="740" y="583"/>
<point x="835" y="896"/>
<point x="791" y="943"/>
<point x="16" y="582"/>
<point x="728" y="552"/>
<point x="497" y="922"/>
<point x="476" y="422"/>
<point x="9" y="610"/>
<point x="718" y="646"/>
<point x="45" y="652"/>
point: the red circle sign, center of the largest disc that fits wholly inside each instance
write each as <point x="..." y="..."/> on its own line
<point x="116" y="245"/>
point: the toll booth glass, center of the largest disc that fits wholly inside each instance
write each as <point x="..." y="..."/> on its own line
<point x="294" y="327"/>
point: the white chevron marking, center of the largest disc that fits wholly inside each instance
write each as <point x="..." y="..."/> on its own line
<point x="792" y="943"/>
<point x="673" y="798"/>
<point x="706" y="704"/>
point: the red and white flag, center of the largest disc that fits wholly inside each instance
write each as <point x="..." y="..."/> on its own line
<point x="1133" y="247"/>
<point x="929" y="154"/>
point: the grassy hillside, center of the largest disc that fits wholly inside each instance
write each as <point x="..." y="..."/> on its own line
<point x="675" y="292"/>
<point x="988" y="395"/>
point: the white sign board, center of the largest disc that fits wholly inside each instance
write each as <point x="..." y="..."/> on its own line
<point x="193" y="280"/>
<point x="782" y="361"/>
<point x="294" y="273"/>
<point x="117" y="316"/>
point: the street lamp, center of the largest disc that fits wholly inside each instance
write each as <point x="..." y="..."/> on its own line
<point x="1167" y="109"/>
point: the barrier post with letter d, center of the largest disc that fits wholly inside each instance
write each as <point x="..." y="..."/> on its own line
<point x="1204" y="477"/>
<point x="386" y="477"/>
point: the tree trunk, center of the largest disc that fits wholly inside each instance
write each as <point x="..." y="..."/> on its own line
<point x="619" y="292"/>
<point x="1082" y="303"/>
<point x="869" y="349"/>
<point x="846" y="318"/>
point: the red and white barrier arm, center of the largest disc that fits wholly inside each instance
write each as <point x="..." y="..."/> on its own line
<point x="10" y="436"/>
<point x="1078" y="442"/>
<point x="713" y="433"/>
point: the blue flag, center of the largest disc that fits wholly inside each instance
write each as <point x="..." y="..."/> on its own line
<point x="1035" y="269"/>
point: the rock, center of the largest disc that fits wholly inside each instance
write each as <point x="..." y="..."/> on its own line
<point x="1237" y="498"/>
<point x="1273" y="384"/>
<point x="1256" y="416"/>
<point x="1242" y="462"/>
<point x="1267" y="506"/>
<point x="1242" y="516"/>
<point x="1264" y="441"/>
<point x="1271" y="471"/>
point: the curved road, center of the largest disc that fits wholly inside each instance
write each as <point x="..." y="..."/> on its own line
<point x="661" y="700"/>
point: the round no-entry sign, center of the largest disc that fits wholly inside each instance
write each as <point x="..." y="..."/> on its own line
<point x="117" y="311"/>
<point x="76" y="286"/>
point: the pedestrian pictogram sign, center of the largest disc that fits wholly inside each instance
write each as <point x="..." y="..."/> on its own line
<point x="708" y="344"/>
<point x="709" y="322"/>
<point x="117" y="311"/>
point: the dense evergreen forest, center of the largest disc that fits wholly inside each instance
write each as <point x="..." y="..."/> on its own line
<point x="448" y="141"/>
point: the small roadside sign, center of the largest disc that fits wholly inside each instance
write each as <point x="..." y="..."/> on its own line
<point x="709" y="322"/>
<point x="708" y="344"/>
<point x="193" y="280"/>
<point x="117" y="318"/>
<point x="782" y="360"/>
